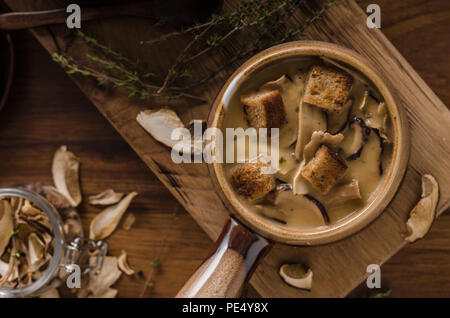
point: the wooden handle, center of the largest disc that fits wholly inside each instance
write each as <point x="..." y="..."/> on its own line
<point x="24" y="20"/>
<point x="229" y="265"/>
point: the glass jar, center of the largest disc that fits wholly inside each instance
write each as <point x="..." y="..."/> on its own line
<point x="68" y="249"/>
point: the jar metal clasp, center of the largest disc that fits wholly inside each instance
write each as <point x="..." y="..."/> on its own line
<point x="81" y="245"/>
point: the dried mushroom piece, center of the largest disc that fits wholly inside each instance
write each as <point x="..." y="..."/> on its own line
<point x="160" y="124"/>
<point x="8" y="272"/>
<point x="65" y="171"/>
<point x="129" y="221"/>
<point x="297" y="275"/>
<point x="106" y="221"/>
<point x="106" y="197"/>
<point x="423" y="214"/>
<point x="110" y="273"/>
<point x="55" y="197"/>
<point x="36" y="252"/>
<point x="6" y="224"/>
<point x="122" y="262"/>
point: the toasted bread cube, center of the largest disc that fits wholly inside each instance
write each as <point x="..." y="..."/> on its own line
<point x="250" y="182"/>
<point x="264" y="109"/>
<point x="324" y="169"/>
<point x="327" y="88"/>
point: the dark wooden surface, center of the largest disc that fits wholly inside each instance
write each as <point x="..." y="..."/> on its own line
<point x="46" y="109"/>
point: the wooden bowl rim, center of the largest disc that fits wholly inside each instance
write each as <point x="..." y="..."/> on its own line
<point x="8" y="64"/>
<point x="385" y="192"/>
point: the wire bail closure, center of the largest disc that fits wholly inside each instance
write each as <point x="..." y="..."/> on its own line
<point x="79" y="246"/>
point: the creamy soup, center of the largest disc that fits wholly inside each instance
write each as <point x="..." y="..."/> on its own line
<point x="333" y="150"/>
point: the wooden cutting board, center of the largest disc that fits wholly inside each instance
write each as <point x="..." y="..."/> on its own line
<point x="338" y="267"/>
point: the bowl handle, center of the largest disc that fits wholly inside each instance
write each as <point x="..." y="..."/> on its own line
<point x="229" y="265"/>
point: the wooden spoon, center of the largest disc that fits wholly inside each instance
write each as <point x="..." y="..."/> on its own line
<point x="178" y="12"/>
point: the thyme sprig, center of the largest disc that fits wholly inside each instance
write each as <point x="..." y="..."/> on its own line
<point x="252" y="26"/>
<point x="265" y="23"/>
<point x="133" y="82"/>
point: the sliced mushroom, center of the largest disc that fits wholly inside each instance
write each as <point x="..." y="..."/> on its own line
<point x="297" y="275"/>
<point x="375" y="114"/>
<point x="311" y="119"/>
<point x="285" y="201"/>
<point x="342" y="194"/>
<point x="6" y="224"/>
<point x="55" y="197"/>
<point x="66" y="175"/>
<point x="8" y="272"/>
<point x="423" y="214"/>
<point x="16" y="204"/>
<point x="110" y="273"/>
<point x="287" y="164"/>
<point x="106" y="221"/>
<point x="356" y="140"/>
<point x="106" y="197"/>
<point x="129" y="221"/>
<point x="366" y="169"/>
<point x="36" y="252"/>
<point x="319" y="138"/>
<point x="160" y="124"/>
<point x="29" y="210"/>
<point x="11" y="267"/>
<point x="122" y="262"/>
<point x="337" y="121"/>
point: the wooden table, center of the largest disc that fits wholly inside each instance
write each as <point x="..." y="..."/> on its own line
<point x="35" y="123"/>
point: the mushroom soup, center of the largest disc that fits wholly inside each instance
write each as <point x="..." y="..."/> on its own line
<point x="335" y="141"/>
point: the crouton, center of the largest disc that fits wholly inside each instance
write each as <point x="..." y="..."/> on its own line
<point x="327" y="88"/>
<point x="264" y="110"/>
<point x="250" y="182"/>
<point x="324" y="169"/>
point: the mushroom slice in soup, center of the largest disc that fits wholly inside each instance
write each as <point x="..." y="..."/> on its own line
<point x="284" y="199"/>
<point x="375" y="114"/>
<point x="337" y="121"/>
<point x="366" y="169"/>
<point x="318" y="138"/>
<point x="310" y="119"/>
<point x="343" y="193"/>
<point x="356" y="139"/>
